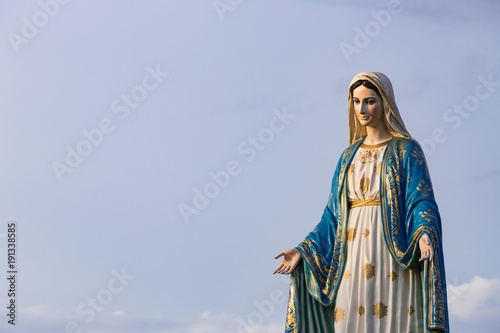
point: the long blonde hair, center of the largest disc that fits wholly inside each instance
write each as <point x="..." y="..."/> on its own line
<point x="392" y="118"/>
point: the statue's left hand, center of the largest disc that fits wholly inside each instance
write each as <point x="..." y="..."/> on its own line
<point x="426" y="249"/>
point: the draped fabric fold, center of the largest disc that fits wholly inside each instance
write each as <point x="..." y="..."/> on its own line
<point x="408" y="210"/>
<point x="312" y="316"/>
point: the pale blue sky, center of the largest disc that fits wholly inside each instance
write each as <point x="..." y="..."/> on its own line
<point x="221" y="79"/>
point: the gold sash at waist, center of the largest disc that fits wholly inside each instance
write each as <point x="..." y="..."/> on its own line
<point x="362" y="203"/>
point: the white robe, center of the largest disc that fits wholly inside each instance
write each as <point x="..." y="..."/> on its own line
<point x="374" y="295"/>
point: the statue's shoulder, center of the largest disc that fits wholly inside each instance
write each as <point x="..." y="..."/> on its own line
<point x="408" y="148"/>
<point x="404" y="140"/>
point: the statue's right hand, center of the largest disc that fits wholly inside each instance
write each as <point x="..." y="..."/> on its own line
<point x="290" y="260"/>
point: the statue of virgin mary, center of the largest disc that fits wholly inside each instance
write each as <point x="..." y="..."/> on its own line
<point x="374" y="263"/>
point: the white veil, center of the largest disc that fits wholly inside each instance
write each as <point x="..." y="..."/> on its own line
<point x="392" y="119"/>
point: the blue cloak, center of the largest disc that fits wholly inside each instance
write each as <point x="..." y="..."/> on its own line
<point x="408" y="211"/>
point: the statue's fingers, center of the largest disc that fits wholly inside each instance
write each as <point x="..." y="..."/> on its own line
<point x="278" y="269"/>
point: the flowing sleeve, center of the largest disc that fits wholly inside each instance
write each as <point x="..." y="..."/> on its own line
<point x="424" y="217"/>
<point x="420" y="215"/>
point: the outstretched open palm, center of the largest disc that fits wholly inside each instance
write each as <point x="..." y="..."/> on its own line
<point x="291" y="258"/>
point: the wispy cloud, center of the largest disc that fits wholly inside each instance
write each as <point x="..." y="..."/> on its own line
<point x="474" y="306"/>
<point x="479" y="298"/>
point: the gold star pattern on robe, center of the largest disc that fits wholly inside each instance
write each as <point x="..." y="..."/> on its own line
<point x="411" y="310"/>
<point x="347" y="275"/>
<point x="361" y="310"/>
<point x="380" y="310"/>
<point x="366" y="232"/>
<point x="351" y="234"/>
<point x="339" y="314"/>
<point x="369" y="271"/>
<point x="393" y="275"/>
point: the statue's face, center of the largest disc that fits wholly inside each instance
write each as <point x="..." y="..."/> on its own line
<point x="368" y="106"/>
